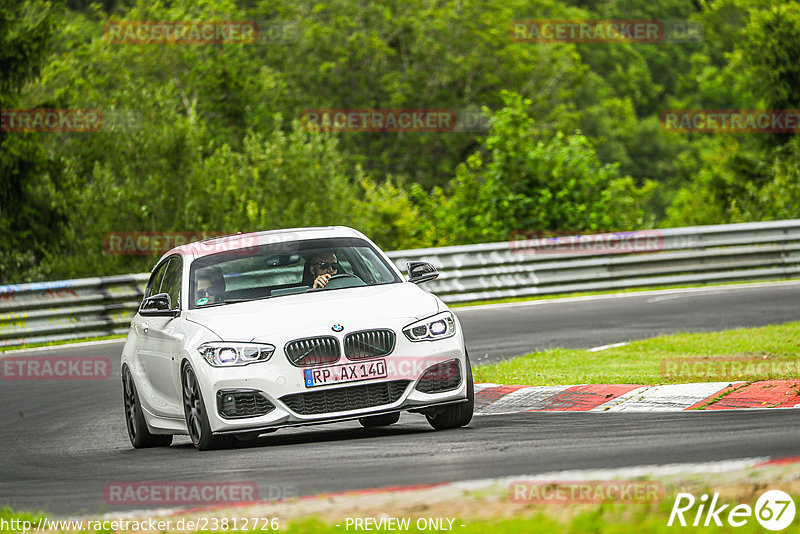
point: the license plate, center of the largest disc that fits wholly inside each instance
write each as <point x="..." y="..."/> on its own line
<point x="348" y="372"/>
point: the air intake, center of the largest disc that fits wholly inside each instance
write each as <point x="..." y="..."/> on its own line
<point x="237" y="403"/>
<point x="312" y="351"/>
<point x="368" y="344"/>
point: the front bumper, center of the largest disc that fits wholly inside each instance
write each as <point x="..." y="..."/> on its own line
<point x="279" y="381"/>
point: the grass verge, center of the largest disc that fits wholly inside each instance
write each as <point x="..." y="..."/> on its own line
<point x="9" y="518"/>
<point x="60" y="342"/>
<point x="494" y="505"/>
<point x="749" y="354"/>
<point x="591" y="520"/>
<point x="588" y="519"/>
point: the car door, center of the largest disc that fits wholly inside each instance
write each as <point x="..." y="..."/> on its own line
<point x="160" y="347"/>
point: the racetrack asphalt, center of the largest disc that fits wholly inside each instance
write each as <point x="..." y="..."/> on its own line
<point x="502" y="331"/>
<point x="64" y="441"/>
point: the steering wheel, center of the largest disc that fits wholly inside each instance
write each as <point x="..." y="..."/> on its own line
<point x="343" y="280"/>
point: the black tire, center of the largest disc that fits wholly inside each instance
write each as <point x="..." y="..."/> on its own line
<point x="380" y="420"/>
<point x="456" y="415"/>
<point x="195" y="412"/>
<point x="139" y="434"/>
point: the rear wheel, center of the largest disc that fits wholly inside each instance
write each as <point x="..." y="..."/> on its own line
<point x="456" y="415"/>
<point x="139" y="434"/>
<point x="380" y="420"/>
<point x="195" y="411"/>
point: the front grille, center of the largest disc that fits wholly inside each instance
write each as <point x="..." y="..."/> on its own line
<point x="444" y="376"/>
<point x="346" y="398"/>
<point x="233" y="404"/>
<point x="368" y="344"/>
<point x="312" y="351"/>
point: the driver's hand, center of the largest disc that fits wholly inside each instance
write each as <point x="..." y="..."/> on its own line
<point x="320" y="281"/>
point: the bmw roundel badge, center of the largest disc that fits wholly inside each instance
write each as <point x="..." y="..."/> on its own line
<point x="337" y="328"/>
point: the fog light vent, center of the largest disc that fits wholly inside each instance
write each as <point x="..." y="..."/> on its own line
<point x="445" y="376"/>
<point x="237" y="403"/>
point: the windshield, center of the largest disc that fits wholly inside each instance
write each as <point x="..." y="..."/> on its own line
<point x="286" y="269"/>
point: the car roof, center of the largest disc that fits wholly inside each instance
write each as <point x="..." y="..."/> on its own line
<point x="241" y="241"/>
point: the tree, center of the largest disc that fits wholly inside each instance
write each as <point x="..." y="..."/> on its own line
<point x="523" y="182"/>
<point x="26" y="214"/>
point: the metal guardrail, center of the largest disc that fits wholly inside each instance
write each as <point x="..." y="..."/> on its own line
<point x="88" y="307"/>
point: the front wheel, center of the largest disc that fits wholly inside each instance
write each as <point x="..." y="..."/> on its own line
<point x="139" y="434"/>
<point x="456" y="415"/>
<point x="195" y="411"/>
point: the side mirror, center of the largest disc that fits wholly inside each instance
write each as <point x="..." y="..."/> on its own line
<point x="158" y="306"/>
<point x="421" y="271"/>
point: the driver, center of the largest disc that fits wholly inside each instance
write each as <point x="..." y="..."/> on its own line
<point x="322" y="267"/>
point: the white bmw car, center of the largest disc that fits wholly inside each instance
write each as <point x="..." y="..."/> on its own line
<point x="238" y="336"/>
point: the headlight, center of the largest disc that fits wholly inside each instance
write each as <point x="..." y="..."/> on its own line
<point x="440" y="326"/>
<point x="222" y="354"/>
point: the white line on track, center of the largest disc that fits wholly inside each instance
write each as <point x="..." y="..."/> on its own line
<point x="604" y="347"/>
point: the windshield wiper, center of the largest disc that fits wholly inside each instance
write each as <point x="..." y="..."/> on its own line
<point x="230" y="301"/>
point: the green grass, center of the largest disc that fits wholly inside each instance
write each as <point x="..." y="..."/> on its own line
<point x="8" y="517"/>
<point x="585" y="519"/>
<point x="61" y="342"/>
<point x="611" y="292"/>
<point x="605" y="517"/>
<point x="715" y="356"/>
<point x="600" y="518"/>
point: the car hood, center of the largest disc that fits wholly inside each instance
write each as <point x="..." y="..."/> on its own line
<point x="316" y="312"/>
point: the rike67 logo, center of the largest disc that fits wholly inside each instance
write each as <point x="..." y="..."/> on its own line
<point x="774" y="510"/>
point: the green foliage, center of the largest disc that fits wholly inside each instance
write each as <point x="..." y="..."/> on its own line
<point x="740" y="178"/>
<point x="388" y="54"/>
<point x="26" y="188"/>
<point x="772" y="50"/>
<point x="206" y="137"/>
<point x="25" y="32"/>
<point x="738" y="184"/>
<point x="388" y="215"/>
<point x="277" y="181"/>
<point x="524" y="182"/>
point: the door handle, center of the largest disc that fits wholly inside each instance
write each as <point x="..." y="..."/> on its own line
<point x="145" y="327"/>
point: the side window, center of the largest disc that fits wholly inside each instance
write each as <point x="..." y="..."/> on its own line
<point x="154" y="285"/>
<point x="172" y="282"/>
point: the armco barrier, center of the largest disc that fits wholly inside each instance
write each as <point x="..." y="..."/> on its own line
<point x="70" y="309"/>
